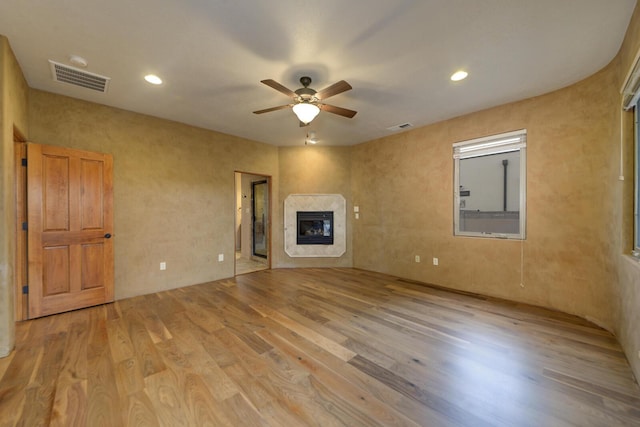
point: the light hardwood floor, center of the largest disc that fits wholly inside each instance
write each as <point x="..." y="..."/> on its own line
<point x="320" y="347"/>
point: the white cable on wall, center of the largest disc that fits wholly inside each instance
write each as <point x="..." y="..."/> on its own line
<point x="522" y="263"/>
<point x="621" y="176"/>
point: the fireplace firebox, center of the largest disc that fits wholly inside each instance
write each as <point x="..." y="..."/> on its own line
<point x="315" y="228"/>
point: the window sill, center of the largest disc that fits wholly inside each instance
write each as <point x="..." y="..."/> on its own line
<point x="633" y="260"/>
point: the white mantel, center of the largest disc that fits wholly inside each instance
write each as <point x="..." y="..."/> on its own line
<point x="315" y="202"/>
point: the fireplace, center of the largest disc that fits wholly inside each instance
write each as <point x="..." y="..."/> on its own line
<point x="331" y="203"/>
<point x="314" y="228"/>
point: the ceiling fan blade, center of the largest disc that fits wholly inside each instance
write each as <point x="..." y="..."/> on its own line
<point x="334" y="89"/>
<point x="277" y="86"/>
<point x="338" y="110"/>
<point x="268" y="110"/>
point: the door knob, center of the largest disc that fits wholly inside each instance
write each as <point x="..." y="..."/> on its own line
<point x="107" y="236"/>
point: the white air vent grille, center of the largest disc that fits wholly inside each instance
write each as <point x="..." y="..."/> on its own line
<point x="400" y="126"/>
<point x="77" y="77"/>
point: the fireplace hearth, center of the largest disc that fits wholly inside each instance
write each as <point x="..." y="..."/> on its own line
<point x="314" y="228"/>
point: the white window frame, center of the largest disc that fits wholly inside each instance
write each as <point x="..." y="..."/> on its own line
<point x="636" y="179"/>
<point x="494" y="144"/>
<point x="631" y="100"/>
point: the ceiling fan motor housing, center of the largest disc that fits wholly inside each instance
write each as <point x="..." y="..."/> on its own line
<point x="306" y="94"/>
<point x="305" y="81"/>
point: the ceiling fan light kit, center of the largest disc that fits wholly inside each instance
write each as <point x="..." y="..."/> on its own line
<point x="306" y="111"/>
<point x="307" y="102"/>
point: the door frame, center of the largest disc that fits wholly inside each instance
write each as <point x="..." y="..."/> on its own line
<point x="20" y="263"/>
<point x="268" y="226"/>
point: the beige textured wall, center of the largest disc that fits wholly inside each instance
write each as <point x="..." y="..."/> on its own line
<point x="403" y="185"/>
<point x="174" y="188"/>
<point x="314" y="170"/>
<point x="13" y="112"/>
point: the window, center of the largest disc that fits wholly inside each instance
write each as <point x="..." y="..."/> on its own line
<point x="490" y="186"/>
<point x="631" y="101"/>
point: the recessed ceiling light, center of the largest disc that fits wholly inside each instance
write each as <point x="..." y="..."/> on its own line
<point x="459" y="75"/>
<point x="153" y="79"/>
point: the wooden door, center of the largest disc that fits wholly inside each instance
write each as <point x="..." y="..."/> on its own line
<point x="70" y="225"/>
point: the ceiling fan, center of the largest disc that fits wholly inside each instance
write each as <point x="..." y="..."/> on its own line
<point x="308" y="102"/>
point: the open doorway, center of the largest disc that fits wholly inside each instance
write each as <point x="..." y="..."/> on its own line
<point x="253" y="222"/>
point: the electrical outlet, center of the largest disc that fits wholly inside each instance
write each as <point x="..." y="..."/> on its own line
<point x="435" y="261"/>
<point x="417" y="258"/>
<point x="163" y="265"/>
<point x="220" y="257"/>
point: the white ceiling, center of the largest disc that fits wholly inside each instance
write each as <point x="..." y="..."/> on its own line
<point x="398" y="56"/>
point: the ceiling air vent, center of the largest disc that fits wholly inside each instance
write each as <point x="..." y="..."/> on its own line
<point x="77" y="77"/>
<point x="401" y="126"/>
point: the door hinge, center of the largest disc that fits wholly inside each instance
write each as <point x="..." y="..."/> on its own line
<point x="25" y="227"/>
<point x="24" y="162"/>
<point x="25" y="289"/>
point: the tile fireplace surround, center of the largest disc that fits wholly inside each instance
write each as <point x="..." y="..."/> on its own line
<point x="315" y="202"/>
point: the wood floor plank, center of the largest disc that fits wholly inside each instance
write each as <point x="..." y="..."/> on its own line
<point x="165" y="391"/>
<point x="70" y="404"/>
<point x="395" y="400"/>
<point x="310" y="334"/>
<point x="139" y="411"/>
<point x="316" y="347"/>
<point x="22" y="367"/>
<point x="102" y="392"/>
<point x="411" y="390"/>
<point x="372" y="411"/>
<point x="240" y="412"/>
<point x="129" y="378"/>
<point x="119" y="340"/>
<point x="147" y="354"/>
<point x="4" y="363"/>
<point x="12" y="404"/>
<point x="40" y="404"/>
<point x="74" y="362"/>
